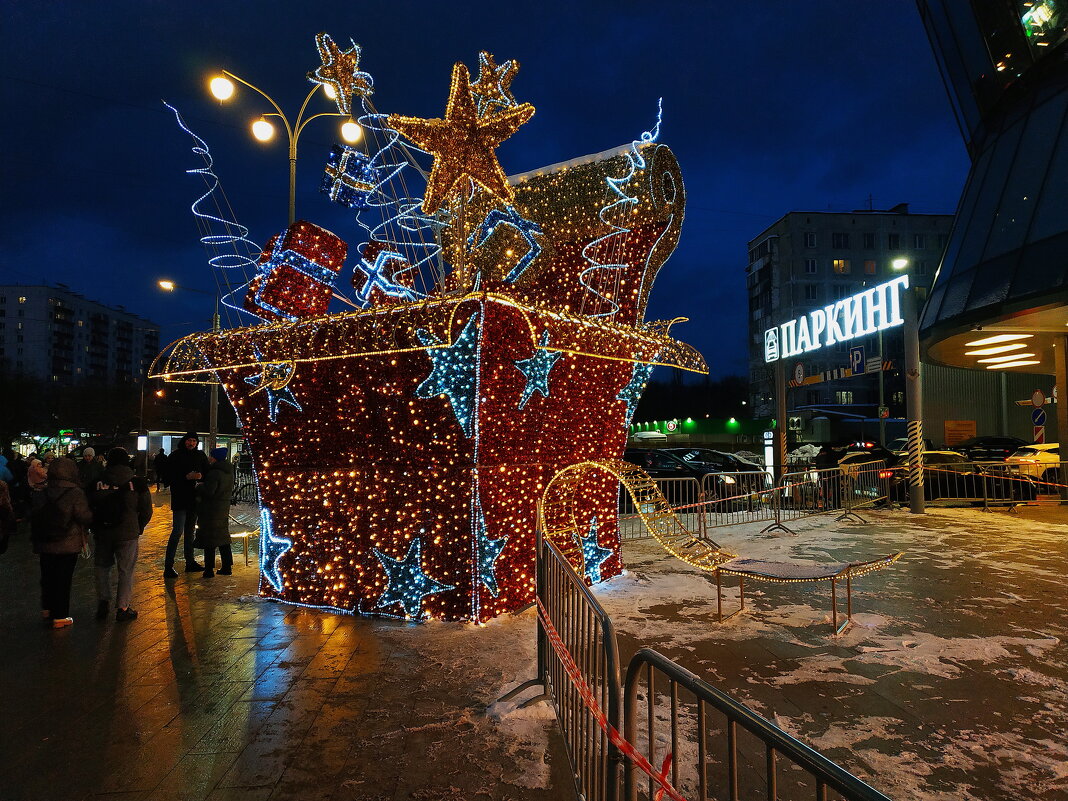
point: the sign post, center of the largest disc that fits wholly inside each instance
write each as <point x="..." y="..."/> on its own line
<point x="780" y="419"/>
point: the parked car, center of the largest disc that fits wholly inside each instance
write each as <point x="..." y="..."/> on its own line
<point x="989" y="449"/>
<point x="900" y="446"/>
<point x="1038" y="461"/>
<point x="661" y="464"/>
<point x="751" y="480"/>
<point x="949" y="475"/>
<point x="722" y="461"/>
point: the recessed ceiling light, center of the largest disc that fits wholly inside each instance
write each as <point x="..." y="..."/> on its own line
<point x="998" y="338"/>
<point x="1009" y="358"/>
<point x="1009" y="364"/>
<point x="995" y="349"/>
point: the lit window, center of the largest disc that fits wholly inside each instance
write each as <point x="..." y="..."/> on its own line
<point x="843" y="396"/>
<point x="841" y="266"/>
<point x="810" y="266"/>
<point x="22" y="300"/>
<point x="869" y="266"/>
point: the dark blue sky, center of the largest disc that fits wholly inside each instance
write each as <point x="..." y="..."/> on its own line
<point x="770" y="107"/>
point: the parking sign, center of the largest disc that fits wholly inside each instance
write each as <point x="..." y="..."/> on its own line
<point x="856" y="360"/>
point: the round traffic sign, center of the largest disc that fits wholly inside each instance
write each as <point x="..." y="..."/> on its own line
<point x="799" y="373"/>
<point x="1038" y="417"/>
<point x="1038" y="398"/>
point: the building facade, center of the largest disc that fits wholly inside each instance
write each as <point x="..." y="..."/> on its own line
<point x="807" y="260"/>
<point x="1000" y="300"/>
<point x="54" y="334"/>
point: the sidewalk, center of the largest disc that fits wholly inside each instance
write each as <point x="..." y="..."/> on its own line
<point x="215" y="694"/>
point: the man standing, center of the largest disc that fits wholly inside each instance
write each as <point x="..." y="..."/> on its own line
<point x="89" y="470"/>
<point x="214" y="507"/>
<point x="186" y="465"/>
<point x="159" y="467"/>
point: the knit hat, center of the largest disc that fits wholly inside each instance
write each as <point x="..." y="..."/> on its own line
<point x="193" y="435"/>
<point x="118" y="456"/>
<point x="219" y="454"/>
<point x="88" y="453"/>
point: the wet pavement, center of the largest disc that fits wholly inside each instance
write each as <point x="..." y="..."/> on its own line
<point x="215" y="694"/>
<point x="951" y="685"/>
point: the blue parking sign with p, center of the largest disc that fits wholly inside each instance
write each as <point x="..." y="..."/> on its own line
<point x="856" y="359"/>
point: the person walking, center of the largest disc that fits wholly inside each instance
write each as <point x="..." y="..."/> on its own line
<point x="8" y="521"/>
<point x="89" y="471"/>
<point x="159" y="467"/>
<point x="122" y="507"/>
<point x="58" y="525"/>
<point x="186" y="465"/>
<point x="213" y="496"/>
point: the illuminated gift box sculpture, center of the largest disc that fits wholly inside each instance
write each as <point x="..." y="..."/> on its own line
<point x="297" y="272"/>
<point x="401" y="451"/>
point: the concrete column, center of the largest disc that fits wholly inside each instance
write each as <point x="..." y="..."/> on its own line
<point x="913" y="401"/>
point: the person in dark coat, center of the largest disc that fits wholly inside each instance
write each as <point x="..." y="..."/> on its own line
<point x="89" y="471"/>
<point x="59" y="547"/>
<point x="159" y="467"/>
<point x="214" y="513"/>
<point x="122" y="507"/>
<point x="186" y="465"/>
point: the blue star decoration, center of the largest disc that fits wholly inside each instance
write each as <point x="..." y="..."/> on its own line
<point x="274" y="378"/>
<point x="488" y="553"/>
<point x="536" y="369"/>
<point x="528" y="229"/>
<point x="380" y="275"/>
<point x="454" y="372"/>
<point x="632" y="392"/>
<point x="408" y="584"/>
<point x="593" y="555"/>
<point x="272" y="548"/>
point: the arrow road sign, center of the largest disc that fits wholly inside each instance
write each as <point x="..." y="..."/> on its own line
<point x="1038" y="417"/>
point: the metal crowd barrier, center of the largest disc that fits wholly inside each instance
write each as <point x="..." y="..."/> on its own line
<point x="578" y="668"/>
<point x="684" y="495"/>
<point x="992" y="484"/>
<point x="843" y="489"/>
<point x="244" y="486"/>
<point x="738" y="753"/>
<point x="588" y="634"/>
<point x="733" y="498"/>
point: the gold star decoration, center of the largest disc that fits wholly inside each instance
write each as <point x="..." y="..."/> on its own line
<point x="462" y="144"/>
<point x="341" y="70"/>
<point x="491" y="88"/>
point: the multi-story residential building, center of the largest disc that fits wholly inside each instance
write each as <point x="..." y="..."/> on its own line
<point x="807" y="260"/>
<point x="55" y="334"/>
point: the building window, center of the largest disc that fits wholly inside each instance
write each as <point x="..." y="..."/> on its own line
<point x="839" y="240"/>
<point x="810" y="266"/>
<point x="22" y="300"/>
<point x="844" y="396"/>
<point x="812" y="396"/>
<point x="840" y="291"/>
<point x="841" y="266"/>
<point x="919" y="241"/>
<point x="893" y="241"/>
<point x="921" y="267"/>
<point x="897" y="397"/>
<point x="812" y="292"/>
<point x="869" y="266"/>
<point x="943" y="240"/>
<point x="810" y="239"/>
<point x="869" y="241"/>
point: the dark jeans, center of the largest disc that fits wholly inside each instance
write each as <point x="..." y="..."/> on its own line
<point x="184" y="522"/>
<point x="57" y="571"/>
<point x="225" y="551"/>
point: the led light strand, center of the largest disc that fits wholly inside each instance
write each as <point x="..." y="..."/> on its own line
<point x="635" y="162"/>
<point x="527" y="229"/>
<point x="340" y="70"/>
<point x="593" y="555"/>
<point x="408" y="583"/>
<point x="272" y="548"/>
<point x="454" y="373"/>
<point x="234" y="234"/>
<point x="536" y="369"/>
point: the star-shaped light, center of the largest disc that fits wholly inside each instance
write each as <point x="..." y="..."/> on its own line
<point x="462" y="144"/>
<point x="341" y="70"/>
<point x="454" y="372"/>
<point x="274" y="378"/>
<point x="408" y="584"/>
<point x="632" y="392"/>
<point x="593" y="555"/>
<point x="528" y="229"/>
<point x="536" y="369"/>
<point x="491" y="88"/>
<point x="271" y="550"/>
<point x="488" y="553"/>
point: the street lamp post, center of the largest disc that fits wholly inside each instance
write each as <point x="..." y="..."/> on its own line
<point x="213" y="411"/>
<point x="897" y="264"/>
<point x="222" y="88"/>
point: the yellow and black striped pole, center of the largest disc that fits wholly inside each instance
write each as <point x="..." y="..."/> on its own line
<point x="913" y="401"/>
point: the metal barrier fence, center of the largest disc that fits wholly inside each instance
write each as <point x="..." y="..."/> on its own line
<point x="844" y="489"/>
<point x="988" y="484"/>
<point x="588" y="635"/>
<point x="685" y="497"/>
<point x="733" y="498"/>
<point x="720" y="749"/>
<point x="244" y="486"/>
<point x="578" y="667"/>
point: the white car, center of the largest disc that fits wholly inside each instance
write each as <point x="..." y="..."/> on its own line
<point x="1038" y="461"/>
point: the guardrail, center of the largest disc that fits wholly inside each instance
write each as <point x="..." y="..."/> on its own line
<point x="988" y="484"/>
<point x="742" y="497"/>
<point x="244" y="486"/>
<point x="769" y="764"/>
<point x="684" y="495"/>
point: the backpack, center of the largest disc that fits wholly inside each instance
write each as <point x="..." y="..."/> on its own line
<point x="109" y="510"/>
<point x="50" y="522"/>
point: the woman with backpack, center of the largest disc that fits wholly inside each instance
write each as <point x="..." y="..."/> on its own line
<point x="122" y="507"/>
<point x="59" y="528"/>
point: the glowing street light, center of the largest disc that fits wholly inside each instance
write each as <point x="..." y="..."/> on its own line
<point x="263" y="130"/>
<point x="222" y="87"/>
<point x="899" y="263"/>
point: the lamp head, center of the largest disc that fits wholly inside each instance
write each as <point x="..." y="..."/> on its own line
<point x="263" y="130"/>
<point x="899" y="263"/>
<point x="221" y="87"/>
<point x="351" y="132"/>
<point x="166" y="285"/>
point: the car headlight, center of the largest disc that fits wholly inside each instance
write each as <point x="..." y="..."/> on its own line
<point x="728" y="480"/>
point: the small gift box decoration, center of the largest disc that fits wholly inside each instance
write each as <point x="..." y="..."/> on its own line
<point x="297" y="272"/>
<point x="383" y="277"/>
<point x="350" y="178"/>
